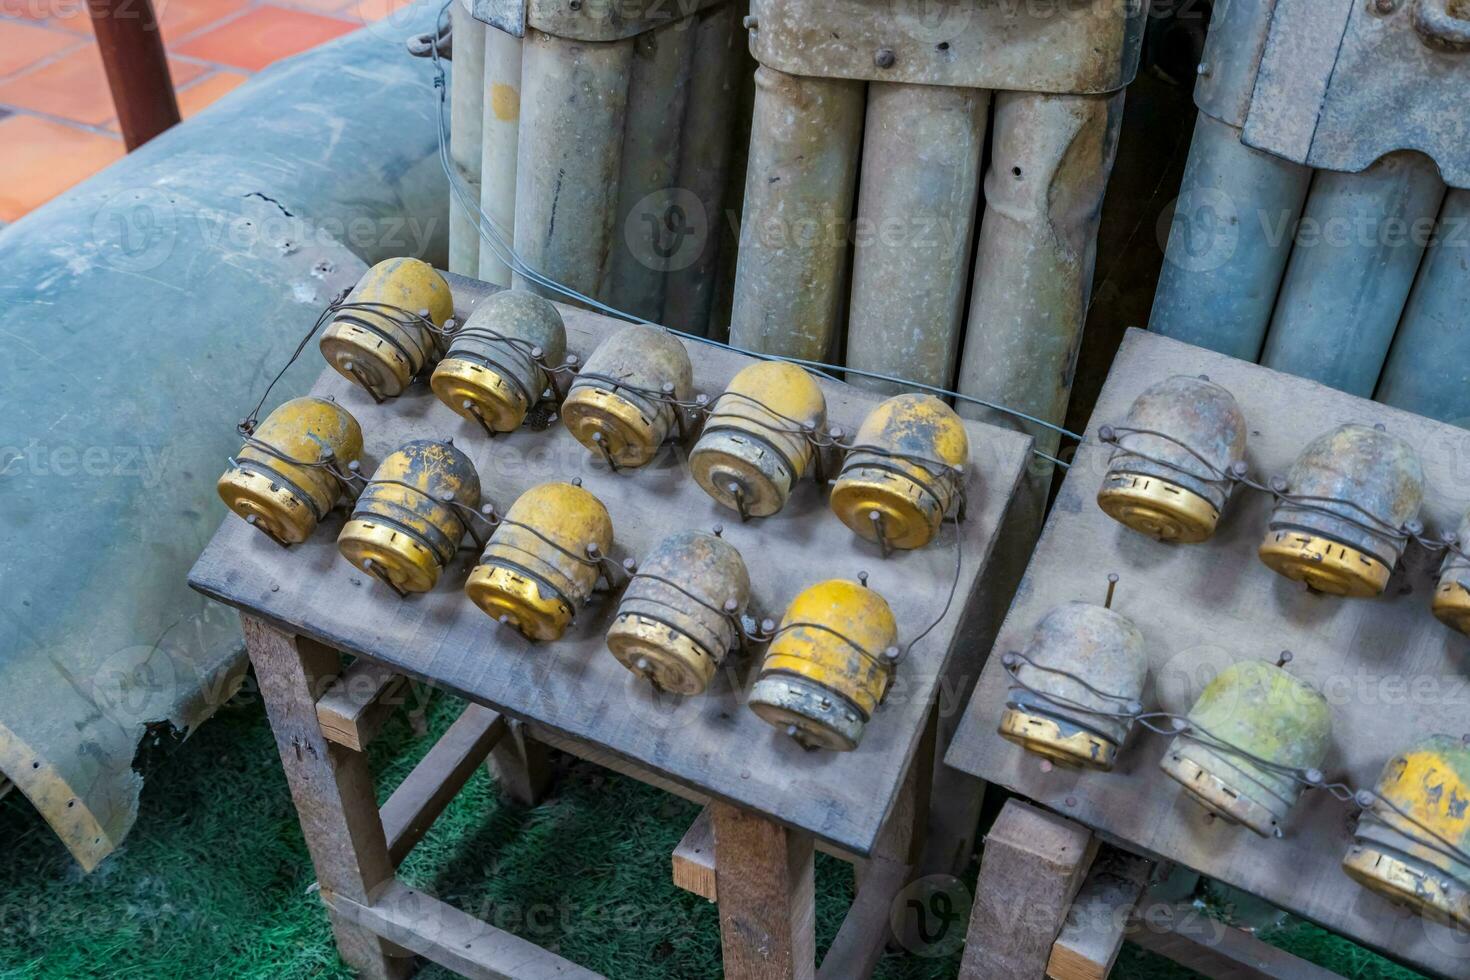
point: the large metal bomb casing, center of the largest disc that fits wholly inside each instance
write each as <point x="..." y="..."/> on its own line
<point x="1452" y="596"/>
<point x="1361" y="475"/>
<point x="906" y="467"/>
<point x="679" y="616"/>
<point x="408" y="523"/>
<point x="492" y="371"/>
<point x="286" y="499"/>
<point x="537" y="566"/>
<point x="383" y="347"/>
<point x="1104" y="651"/>
<point x="1173" y="486"/>
<point x="757" y="441"/>
<point x="619" y="397"/>
<point x="1405" y="844"/>
<point x="828" y="668"/>
<point x="1259" y="711"/>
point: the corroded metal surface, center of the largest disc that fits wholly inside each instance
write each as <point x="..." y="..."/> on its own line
<point x="1259" y="709"/>
<point x="574" y="99"/>
<point x="499" y="137"/>
<point x="1087" y="47"/>
<point x="1345" y="286"/>
<point x="1051" y="156"/>
<point x="798" y="197"/>
<point x="916" y="217"/>
<point x="1452" y="591"/>
<point x="492" y="371"/>
<point x="1105" y="650"/>
<point x="466" y="122"/>
<point x="575" y="20"/>
<point x="679" y="616"/>
<point x="618" y="406"/>
<point x="384" y="346"/>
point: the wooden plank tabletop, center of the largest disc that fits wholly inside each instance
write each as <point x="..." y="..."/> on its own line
<point x="1390" y="670"/>
<point x="712" y="743"/>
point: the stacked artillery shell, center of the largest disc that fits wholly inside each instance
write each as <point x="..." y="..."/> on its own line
<point x="1357" y="488"/>
<point x="620" y="405"/>
<point x="493" y="370"/>
<point x="287" y="489"/>
<point x="409" y="520"/>
<point x="542" y="561"/>
<point x="1173" y="485"/>
<point x="829" y="666"/>
<point x="905" y="471"/>
<point x="757" y="442"/>
<point x="679" y="616"/>
<point x="1082" y="669"/>
<point x="383" y="346"/>
<point x="1253" y="712"/>
<point x="1452" y="596"/>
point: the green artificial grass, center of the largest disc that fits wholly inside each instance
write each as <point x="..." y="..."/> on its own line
<point x="213" y="880"/>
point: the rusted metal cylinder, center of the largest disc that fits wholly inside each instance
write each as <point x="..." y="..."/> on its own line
<point x="499" y="137"/>
<point x="904" y="472"/>
<point x="1103" y="651"/>
<point x="829" y="665"/>
<point x="1452" y="595"/>
<point x="285" y="490"/>
<point x="466" y="129"/>
<point x="757" y="442"/>
<point x="679" y="616"/>
<point x="1173" y="486"/>
<point x="1229" y="242"/>
<point x="1351" y="270"/>
<point x="1051" y="157"/>
<point x="541" y="562"/>
<point x="618" y="404"/>
<point x="804" y="141"/>
<point x="492" y="371"/>
<point x="1255" y="709"/>
<point x="409" y="520"/>
<point x="658" y="90"/>
<point x="1426" y="369"/>
<point x="384" y="345"/>
<point x="1411" y="841"/>
<point x="705" y="151"/>
<point x="574" y="97"/>
<point x="1362" y="486"/>
<point x="915" y="220"/>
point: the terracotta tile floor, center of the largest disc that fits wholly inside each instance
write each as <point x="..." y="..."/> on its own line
<point x="57" y="122"/>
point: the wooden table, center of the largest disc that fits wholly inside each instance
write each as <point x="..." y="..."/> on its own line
<point x="771" y="801"/>
<point x="1390" y="670"/>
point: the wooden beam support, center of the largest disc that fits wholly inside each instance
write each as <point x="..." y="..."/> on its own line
<point x="438" y="778"/>
<point x="354" y="708"/>
<point x="1090" y="941"/>
<point x="521" y="765"/>
<point x="694" y="858"/>
<point x="1033" y="864"/>
<point x="864" y="933"/>
<point x="1192" y="939"/>
<point x="451" y="938"/>
<point x="765" y="879"/>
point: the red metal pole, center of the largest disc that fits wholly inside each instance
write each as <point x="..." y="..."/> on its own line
<point x="137" y="71"/>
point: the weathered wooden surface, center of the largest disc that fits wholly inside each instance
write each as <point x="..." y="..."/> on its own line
<point x="1032" y="866"/>
<point x="766" y="882"/>
<point x="694" y="858"/>
<point x="1089" y="943"/>
<point x="1391" y="672"/>
<point x="1220" y="952"/>
<point x="713" y="743"/>
<point x="354" y="709"/>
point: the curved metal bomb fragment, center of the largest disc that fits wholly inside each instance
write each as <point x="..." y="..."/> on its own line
<point x="905" y="471"/>
<point x="1257" y="710"/>
<point x="1103" y="652"/>
<point x="1452" y="596"/>
<point x="540" y="562"/>
<point x="756" y="443"/>
<point x="382" y="345"/>
<point x="286" y="490"/>
<point x="409" y="521"/>
<point x="829" y="665"/>
<point x="1399" y="850"/>
<point x="618" y="405"/>
<point x="492" y="372"/>
<point x="1173" y="485"/>
<point x="1362" y="485"/>
<point x="679" y="616"/>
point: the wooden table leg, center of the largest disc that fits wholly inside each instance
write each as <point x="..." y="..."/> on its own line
<point x="766" y="883"/>
<point x="331" y="787"/>
<point x="521" y="765"/>
<point x="137" y="71"/>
